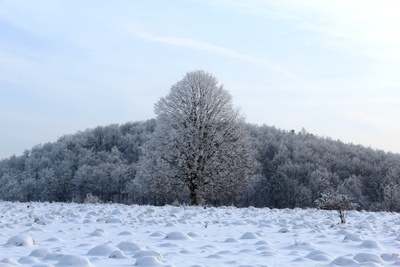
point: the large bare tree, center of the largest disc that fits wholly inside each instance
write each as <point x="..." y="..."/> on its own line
<point x="199" y="146"/>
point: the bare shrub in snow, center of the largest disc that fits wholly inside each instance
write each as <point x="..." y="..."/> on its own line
<point x="92" y="199"/>
<point x="335" y="201"/>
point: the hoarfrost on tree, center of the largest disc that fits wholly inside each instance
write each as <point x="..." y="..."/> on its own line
<point x="199" y="145"/>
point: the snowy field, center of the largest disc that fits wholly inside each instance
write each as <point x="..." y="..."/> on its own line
<point x="43" y="234"/>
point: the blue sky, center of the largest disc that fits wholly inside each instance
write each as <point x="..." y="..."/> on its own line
<point x="331" y="67"/>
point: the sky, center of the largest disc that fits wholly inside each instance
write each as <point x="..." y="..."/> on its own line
<point x="330" y="67"/>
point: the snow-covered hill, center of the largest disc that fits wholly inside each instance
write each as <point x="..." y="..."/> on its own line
<point x="43" y="234"/>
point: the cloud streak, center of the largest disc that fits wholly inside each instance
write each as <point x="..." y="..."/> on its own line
<point x="219" y="50"/>
<point x="363" y="27"/>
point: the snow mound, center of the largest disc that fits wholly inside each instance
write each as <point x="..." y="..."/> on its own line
<point x="185" y="251"/>
<point x="128" y="246"/>
<point x="99" y="232"/>
<point x="371" y="244"/>
<point x="231" y="240"/>
<point x="40" y="252"/>
<point x="54" y="256"/>
<point x="43" y="265"/>
<point x="146" y="253"/>
<point x="262" y="243"/>
<point x="118" y="254"/>
<point x="9" y="261"/>
<point x="368" y="257"/>
<point x="54" y="239"/>
<point x="352" y="237"/>
<point x="148" y="261"/>
<point x="193" y="235"/>
<point x="126" y="233"/>
<point x="22" y="240"/>
<point x="389" y="257"/>
<point x="344" y="261"/>
<point x="114" y="220"/>
<point x="263" y="248"/>
<point x="270" y="254"/>
<point x="73" y="260"/>
<point x="318" y="255"/>
<point x="300" y="226"/>
<point x="168" y="245"/>
<point x="102" y="250"/>
<point x="158" y="234"/>
<point x="178" y="236"/>
<point x="210" y="248"/>
<point x="249" y="235"/>
<point x="28" y="260"/>
<point x="116" y="212"/>
<point x="215" y="257"/>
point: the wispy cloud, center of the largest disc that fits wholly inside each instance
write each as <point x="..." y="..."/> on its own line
<point x="254" y="7"/>
<point x="219" y="50"/>
<point x="364" y="27"/>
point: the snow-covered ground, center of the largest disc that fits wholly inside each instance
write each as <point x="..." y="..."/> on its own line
<point x="43" y="234"/>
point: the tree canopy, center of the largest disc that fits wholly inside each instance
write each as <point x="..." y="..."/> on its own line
<point x="199" y="145"/>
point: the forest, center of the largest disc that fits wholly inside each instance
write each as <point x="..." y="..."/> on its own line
<point x="200" y="151"/>
<point x="293" y="169"/>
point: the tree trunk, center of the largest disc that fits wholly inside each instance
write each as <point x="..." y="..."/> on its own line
<point x="193" y="197"/>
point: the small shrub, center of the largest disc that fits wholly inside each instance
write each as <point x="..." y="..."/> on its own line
<point x="176" y="203"/>
<point x="92" y="199"/>
<point x="336" y="201"/>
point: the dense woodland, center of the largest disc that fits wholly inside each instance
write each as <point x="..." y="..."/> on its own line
<point x="293" y="170"/>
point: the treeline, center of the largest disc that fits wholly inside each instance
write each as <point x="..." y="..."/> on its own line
<point x="296" y="168"/>
<point x="100" y="161"/>
<point x="293" y="169"/>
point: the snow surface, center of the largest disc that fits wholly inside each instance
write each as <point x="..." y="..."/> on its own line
<point x="44" y="235"/>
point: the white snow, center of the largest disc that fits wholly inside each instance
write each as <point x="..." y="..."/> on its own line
<point x="56" y="234"/>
